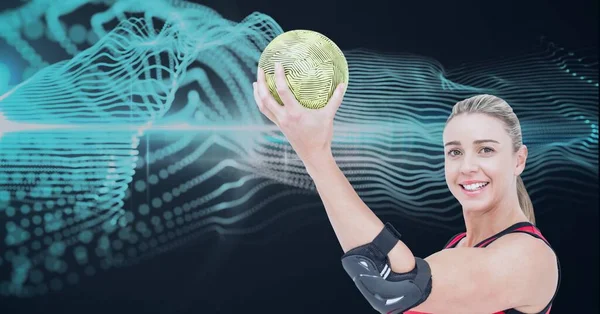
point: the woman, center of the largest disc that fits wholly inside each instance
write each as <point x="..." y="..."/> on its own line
<point x="517" y="272"/>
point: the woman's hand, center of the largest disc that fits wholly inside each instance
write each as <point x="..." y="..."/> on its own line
<point x="309" y="131"/>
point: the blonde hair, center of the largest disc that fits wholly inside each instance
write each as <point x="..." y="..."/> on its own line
<point x="497" y="108"/>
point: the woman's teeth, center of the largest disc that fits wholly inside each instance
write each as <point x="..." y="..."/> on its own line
<point x="475" y="186"/>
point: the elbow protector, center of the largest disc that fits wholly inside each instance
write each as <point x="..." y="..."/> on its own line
<point x="387" y="292"/>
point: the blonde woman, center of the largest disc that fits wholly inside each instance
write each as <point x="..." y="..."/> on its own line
<point x="501" y="264"/>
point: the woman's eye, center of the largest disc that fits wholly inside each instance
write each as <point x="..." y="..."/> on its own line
<point x="453" y="153"/>
<point x="487" y="150"/>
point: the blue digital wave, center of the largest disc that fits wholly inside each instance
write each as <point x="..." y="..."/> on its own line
<point x="147" y="138"/>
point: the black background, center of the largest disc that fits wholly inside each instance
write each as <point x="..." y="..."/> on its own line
<point x="300" y="271"/>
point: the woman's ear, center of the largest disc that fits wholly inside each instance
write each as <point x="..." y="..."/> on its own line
<point x="521" y="160"/>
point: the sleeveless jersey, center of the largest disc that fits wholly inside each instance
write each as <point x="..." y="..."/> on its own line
<point x="523" y="227"/>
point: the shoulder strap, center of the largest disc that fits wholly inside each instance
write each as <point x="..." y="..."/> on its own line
<point x="454" y="240"/>
<point x="533" y="231"/>
<point x="525" y="227"/>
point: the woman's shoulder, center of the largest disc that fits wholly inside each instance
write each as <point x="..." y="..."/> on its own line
<point x="535" y="261"/>
<point x="523" y="236"/>
<point x="534" y="246"/>
<point x="527" y="239"/>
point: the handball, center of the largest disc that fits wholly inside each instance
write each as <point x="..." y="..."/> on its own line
<point x="314" y="66"/>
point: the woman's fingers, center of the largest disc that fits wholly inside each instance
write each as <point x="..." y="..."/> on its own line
<point x="336" y="100"/>
<point x="267" y="100"/>
<point x="284" y="91"/>
<point x="261" y="106"/>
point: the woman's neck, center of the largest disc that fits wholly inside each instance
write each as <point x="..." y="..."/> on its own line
<point x="482" y="225"/>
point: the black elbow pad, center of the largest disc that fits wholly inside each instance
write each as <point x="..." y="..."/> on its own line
<point x="387" y="292"/>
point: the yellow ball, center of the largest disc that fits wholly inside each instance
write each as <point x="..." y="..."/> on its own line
<point x="314" y="66"/>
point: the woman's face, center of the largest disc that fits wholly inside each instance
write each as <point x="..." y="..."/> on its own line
<point x="480" y="164"/>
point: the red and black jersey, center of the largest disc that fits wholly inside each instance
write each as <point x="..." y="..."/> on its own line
<point x="523" y="227"/>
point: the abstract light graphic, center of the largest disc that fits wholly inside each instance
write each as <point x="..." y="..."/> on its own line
<point x="143" y="136"/>
<point x="4" y="77"/>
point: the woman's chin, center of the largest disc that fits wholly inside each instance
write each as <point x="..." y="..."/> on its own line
<point x="474" y="206"/>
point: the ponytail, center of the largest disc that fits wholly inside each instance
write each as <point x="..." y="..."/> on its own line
<point x="525" y="201"/>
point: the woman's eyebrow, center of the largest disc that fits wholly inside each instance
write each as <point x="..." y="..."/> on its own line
<point x="474" y="142"/>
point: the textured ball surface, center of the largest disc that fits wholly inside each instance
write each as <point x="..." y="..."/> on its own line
<point x="314" y="66"/>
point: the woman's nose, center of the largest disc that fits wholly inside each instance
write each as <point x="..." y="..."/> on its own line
<point x="468" y="165"/>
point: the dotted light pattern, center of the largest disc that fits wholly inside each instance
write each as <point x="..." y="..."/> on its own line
<point x="70" y="131"/>
<point x="4" y="77"/>
<point x="208" y="162"/>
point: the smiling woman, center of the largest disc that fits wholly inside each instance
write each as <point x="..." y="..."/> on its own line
<point x="517" y="272"/>
<point x="493" y="143"/>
